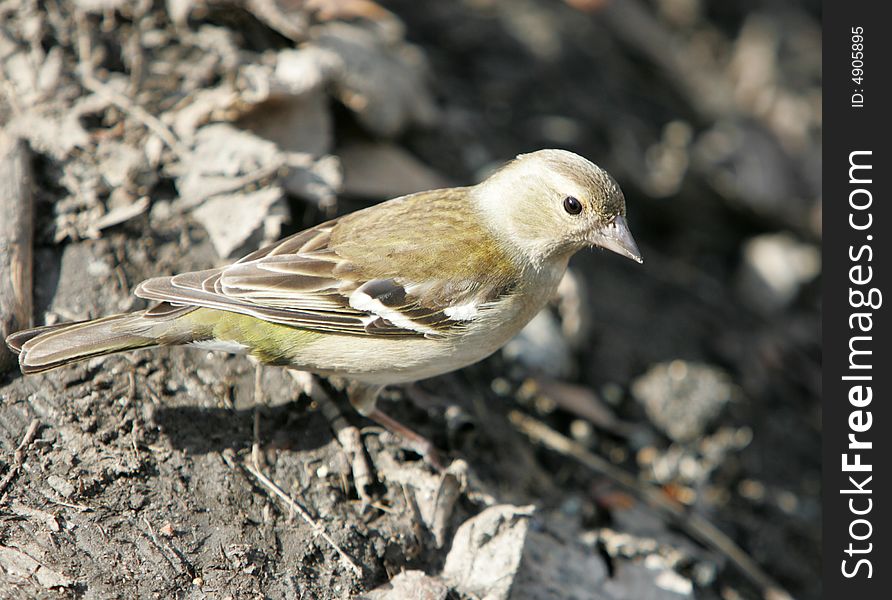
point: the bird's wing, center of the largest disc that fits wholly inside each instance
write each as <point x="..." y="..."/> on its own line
<point x="312" y="282"/>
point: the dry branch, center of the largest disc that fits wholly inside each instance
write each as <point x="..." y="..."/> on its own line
<point x="16" y="228"/>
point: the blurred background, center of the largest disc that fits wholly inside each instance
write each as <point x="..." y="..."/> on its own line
<point x="177" y="135"/>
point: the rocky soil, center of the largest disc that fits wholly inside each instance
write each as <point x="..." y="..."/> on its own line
<point x="655" y="434"/>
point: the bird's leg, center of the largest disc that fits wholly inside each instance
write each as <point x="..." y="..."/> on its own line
<point x="364" y="397"/>
<point x="347" y="435"/>
<point x="256" y="455"/>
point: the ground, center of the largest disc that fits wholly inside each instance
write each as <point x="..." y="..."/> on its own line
<point x="697" y="375"/>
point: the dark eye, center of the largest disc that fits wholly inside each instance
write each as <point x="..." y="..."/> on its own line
<point x="572" y="205"/>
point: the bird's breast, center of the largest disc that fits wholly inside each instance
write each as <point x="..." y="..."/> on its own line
<point x="502" y="319"/>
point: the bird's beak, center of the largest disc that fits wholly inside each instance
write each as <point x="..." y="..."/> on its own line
<point x="616" y="236"/>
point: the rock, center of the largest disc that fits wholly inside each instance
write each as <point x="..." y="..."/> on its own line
<point x="383" y="83"/>
<point x="409" y="585"/>
<point x="682" y="398"/>
<point x="746" y="165"/>
<point x="384" y="170"/>
<point x="487" y="551"/>
<point x="221" y="156"/>
<point x="20" y="567"/>
<point x="381" y="79"/>
<point x="121" y="163"/>
<point x="55" y="135"/>
<point x="317" y="180"/>
<point x="288" y="101"/>
<point x="774" y="269"/>
<point x="206" y="104"/>
<point x="553" y="568"/>
<point x="645" y="567"/>
<point x="300" y="71"/>
<point x="499" y="555"/>
<point x="233" y="220"/>
<point x="225" y="160"/>
<point x="294" y="123"/>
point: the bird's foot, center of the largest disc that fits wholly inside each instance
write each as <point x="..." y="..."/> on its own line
<point x="413" y="440"/>
<point x="348" y="436"/>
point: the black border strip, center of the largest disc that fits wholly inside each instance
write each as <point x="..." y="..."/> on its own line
<point x="857" y="132"/>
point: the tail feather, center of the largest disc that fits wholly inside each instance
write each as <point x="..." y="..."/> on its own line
<point x="44" y="348"/>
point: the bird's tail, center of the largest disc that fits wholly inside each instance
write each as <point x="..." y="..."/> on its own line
<point x="44" y="348"/>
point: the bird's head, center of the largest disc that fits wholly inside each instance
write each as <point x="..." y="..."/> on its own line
<point x="551" y="203"/>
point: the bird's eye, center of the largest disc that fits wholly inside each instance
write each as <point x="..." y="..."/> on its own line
<point x="572" y="205"/>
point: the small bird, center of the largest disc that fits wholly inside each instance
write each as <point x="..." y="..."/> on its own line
<point x="404" y="290"/>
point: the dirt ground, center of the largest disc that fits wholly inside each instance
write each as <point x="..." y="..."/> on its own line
<point x="172" y="136"/>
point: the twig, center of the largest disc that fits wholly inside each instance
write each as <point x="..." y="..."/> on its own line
<point x="19" y="457"/>
<point x="696" y="526"/>
<point x="77" y="507"/>
<point x="451" y="484"/>
<point x="89" y="81"/>
<point x="416" y="519"/>
<point x="151" y="122"/>
<point x="185" y="567"/>
<point x="295" y="507"/>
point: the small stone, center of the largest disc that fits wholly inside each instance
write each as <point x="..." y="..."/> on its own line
<point x="98" y="268"/>
<point x="487" y="550"/>
<point x="137" y="500"/>
<point x="751" y="490"/>
<point x="683" y="398"/>
<point x="788" y="502"/>
<point x="501" y="386"/>
<point x="774" y="269"/>
<point x="582" y="431"/>
<point x="671" y="581"/>
<point x="61" y="486"/>
<point x="499" y="555"/>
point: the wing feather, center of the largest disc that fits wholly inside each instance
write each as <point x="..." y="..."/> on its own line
<point x="308" y="281"/>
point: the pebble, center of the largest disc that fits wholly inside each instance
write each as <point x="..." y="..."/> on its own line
<point x="775" y="267"/>
<point x="683" y="398"/>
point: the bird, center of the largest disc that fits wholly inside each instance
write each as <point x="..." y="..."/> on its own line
<point x="404" y="290"/>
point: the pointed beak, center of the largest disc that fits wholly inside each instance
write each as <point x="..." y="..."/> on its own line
<point x="616" y="236"/>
